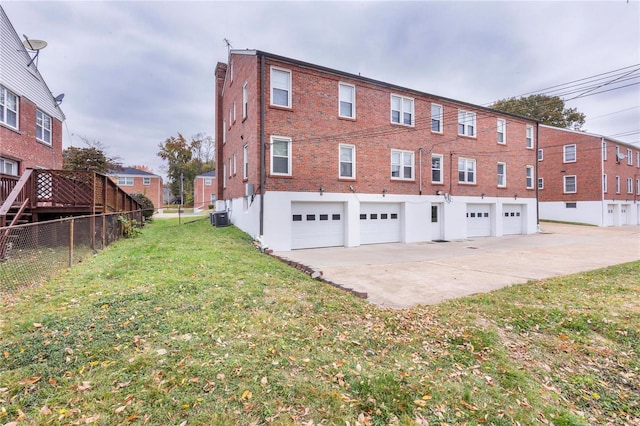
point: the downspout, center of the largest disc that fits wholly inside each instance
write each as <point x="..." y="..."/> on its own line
<point x="420" y="170"/>
<point x="536" y="174"/>
<point x="603" y="204"/>
<point x="263" y="177"/>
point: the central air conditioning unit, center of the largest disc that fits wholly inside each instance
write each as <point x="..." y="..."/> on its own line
<point x="248" y="190"/>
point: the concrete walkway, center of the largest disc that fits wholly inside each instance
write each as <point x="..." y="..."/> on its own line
<point x="403" y="275"/>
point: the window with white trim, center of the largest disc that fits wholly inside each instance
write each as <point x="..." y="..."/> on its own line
<point x="466" y="123"/>
<point x="617" y="184"/>
<point x="629" y="157"/>
<point x="230" y="118"/>
<point x="436" y="168"/>
<point x="502" y="175"/>
<point x="570" y="185"/>
<point x="502" y="131"/>
<point x="230" y="168"/>
<point x="8" y="167"/>
<point x="347" y="161"/>
<point x="8" y="108"/>
<point x="245" y="100"/>
<point x="234" y="163"/>
<point x="466" y="170"/>
<point x="280" y="87"/>
<point x="231" y="69"/>
<point x="629" y="186"/>
<point x="604" y="150"/>
<point x="224" y="175"/>
<point x="212" y="199"/>
<point x="146" y="181"/>
<point x="540" y="183"/>
<point x="346" y="100"/>
<point x="569" y="153"/>
<point x="280" y="156"/>
<point x="604" y="183"/>
<point x="637" y="186"/>
<point x="436" y="118"/>
<point x="234" y="111"/>
<point x="540" y="155"/>
<point x="529" y="137"/>
<point x="638" y="159"/>
<point x="224" y="131"/>
<point x="43" y="127"/>
<point x="529" y="177"/>
<point x="245" y="162"/>
<point x="125" y="181"/>
<point x="401" y="164"/>
<point x="207" y="181"/>
<point x="402" y="110"/>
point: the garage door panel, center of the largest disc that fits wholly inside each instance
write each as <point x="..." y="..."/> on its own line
<point x="317" y="225"/>
<point x="379" y="223"/>
<point x="478" y="220"/>
<point x="512" y="219"/>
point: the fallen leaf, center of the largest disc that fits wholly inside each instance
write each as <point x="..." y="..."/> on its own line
<point x="37" y="325"/>
<point x="246" y="395"/>
<point x="30" y="380"/>
<point x="162" y="351"/>
<point x="120" y="409"/>
<point x="91" y="419"/>
<point x="263" y="381"/>
<point x="45" y="411"/>
<point x="420" y="402"/>
<point x="84" y="386"/>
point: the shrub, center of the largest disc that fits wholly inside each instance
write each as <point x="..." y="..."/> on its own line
<point x="145" y="202"/>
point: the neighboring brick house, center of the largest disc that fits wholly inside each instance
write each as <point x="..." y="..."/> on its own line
<point x="136" y="181"/>
<point x="309" y="156"/>
<point x="30" y="118"/>
<point x="205" y="189"/>
<point x="588" y="178"/>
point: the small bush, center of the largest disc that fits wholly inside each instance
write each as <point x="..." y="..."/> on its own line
<point x="146" y="203"/>
<point x="130" y="227"/>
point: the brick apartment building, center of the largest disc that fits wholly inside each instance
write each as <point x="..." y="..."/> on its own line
<point x="309" y="156"/>
<point x="136" y="181"/>
<point x="30" y="118"/>
<point x="205" y="189"/>
<point x="588" y="178"/>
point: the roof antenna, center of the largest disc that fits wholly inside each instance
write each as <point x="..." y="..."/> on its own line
<point x="228" y="43"/>
<point x="33" y="45"/>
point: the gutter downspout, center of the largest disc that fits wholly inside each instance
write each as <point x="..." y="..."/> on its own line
<point x="420" y="170"/>
<point x="603" y="205"/>
<point x="263" y="177"/>
<point x="536" y="174"/>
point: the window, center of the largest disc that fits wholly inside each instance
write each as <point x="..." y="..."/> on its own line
<point x="637" y="186"/>
<point x="224" y="175"/>
<point x="466" y="123"/>
<point x="207" y="181"/>
<point x="234" y="111"/>
<point x="212" y="198"/>
<point x="529" y="137"/>
<point x="125" y="181"/>
<point x="347" y="161"/>
<point x="230" y="167"/>
<point x="280" y="87"/>
<point x="231" y="69"/>
<point x="8" y="167"/>
<point x="629" y="186"/>
<point x="245" y="100"/>
<point x="604" y="150"/>
<point x="466" y="170"/>
<point x="224" y="131"/>
<point x="540" y="183"/>
<point x="570" y="205"/>
<point x="8" y="108"/>
<point x="638" y="159"/>
<point x="618" y="154"/>
<point x="245" y="162"/>
<point x="617" y="184"/>
<point x="569" y="184"/>
<point x="529" y="177"/>
<point x="502" y="174"/>
<point x="280" y="156"/>
<point x="402" y="110"/>
<point x="502" y="131"/>
<point x="604" y="183"/>
<point x="234" y="163"/>
<point x="146" y="181"/>
<point x="347" y="100"/>
<point x="569" y="154"/>
<point x="540" y="155"/>
<point x="436" y="118"/>
<point x="629" y="157"/>
<point x="43" y="127"/>
<point x="436" y="168"/>
<point x="401" y="164"/>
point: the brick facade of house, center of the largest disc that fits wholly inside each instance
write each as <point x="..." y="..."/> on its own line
<point x="205" y="190"/>
<point x="135" y="181"/>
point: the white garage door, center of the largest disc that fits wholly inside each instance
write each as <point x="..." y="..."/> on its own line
<point x="478" y="220"/>
<point x="511" y="219"/>
<point x="610" y="211"/>
<point x="317" y="225"/>
<point x="379" y="223"/>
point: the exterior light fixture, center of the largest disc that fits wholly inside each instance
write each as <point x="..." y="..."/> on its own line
<point x="321" y="190"/>
<point x="384" y="192"/>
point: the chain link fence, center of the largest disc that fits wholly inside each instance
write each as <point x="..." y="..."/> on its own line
<point x="32" y="253"/>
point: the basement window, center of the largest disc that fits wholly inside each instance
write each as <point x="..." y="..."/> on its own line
<point x="571" y="205"/>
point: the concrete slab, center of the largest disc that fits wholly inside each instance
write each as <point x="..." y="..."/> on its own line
<point x="404" y="275"/>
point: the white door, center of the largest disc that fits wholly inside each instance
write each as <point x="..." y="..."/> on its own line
<point x="610" y="212"/>
<point x="379" y="223"/>
<point x="317" y="225"/>
<point x="478" y="220"/>
<point x="437" y="222"/>
<point x="624" y="219"/>
<point x="511" y="219"/>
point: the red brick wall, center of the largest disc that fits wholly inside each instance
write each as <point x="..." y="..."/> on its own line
<point x="153" y="191"/>
<point x="22" y="146"/>
<point x="202" y="193"/>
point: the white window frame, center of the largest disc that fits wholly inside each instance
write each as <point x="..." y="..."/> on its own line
<point x="436" y="118"/>
<point x="540" y="183"/>
<point x="637" y="186"/>
<point x="501" y="127"/>
<point x="637" y="158"/>
<point x="604" y="183"/>
<point x="466" y="123"/>
<point x="629" y="185"/>
<point x="245" y="162"/>
<point x="245" y="100"/>
<point x="569" y="153"/>
<point x="288" y="88"/>
<point x="212" y="198"/>
<point x="529" y="176"/>
<point x="208" y="181"/>
<point x="5" y="163"/>
<point x="342" y="100"/>
<point x="402" y="165"/>
<point x="234" y="111"/>
<point x="502" y="177"/>
<point x="224" y="176"/>
<point x="463" y="167"/>
<point x="289" y="156"/>
<point x="146" y="181"/>
<point x="604" y="150"/>
<point x="231" y="70"/>
<point x="617" y="184"/>
<point x="440" y="169"/>
<point x="565" y="186"/>
<point x="629" y="157"/>
<point x="234" y="163"/>
<point x="529" y="137"/>
<point x="224" y="131"/>
<point x="125" y="180"/>
<point x="540" y="154"/>
<point x="352" y="149"/>
<point x="43" y="127"/>
<point x="404" y="101"/>
<point x="5" y="94"/>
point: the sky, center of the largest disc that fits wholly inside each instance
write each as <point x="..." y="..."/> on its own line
<point x="135" y="73"/>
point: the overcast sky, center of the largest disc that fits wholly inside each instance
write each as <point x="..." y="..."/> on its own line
<point x="136" y="73"/>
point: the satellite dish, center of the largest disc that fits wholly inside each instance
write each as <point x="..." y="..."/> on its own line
<point x="620" y="156"/>
<point x="59" y="98"/>
<point x="33" y="44"/>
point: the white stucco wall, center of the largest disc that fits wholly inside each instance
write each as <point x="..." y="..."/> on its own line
<point x="599" y="213"/>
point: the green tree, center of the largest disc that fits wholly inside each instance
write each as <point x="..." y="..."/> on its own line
<point x="92" y="157"/>
<point x="546" y="109"/>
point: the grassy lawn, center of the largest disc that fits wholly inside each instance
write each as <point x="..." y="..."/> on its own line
<point x="192" y="325"/>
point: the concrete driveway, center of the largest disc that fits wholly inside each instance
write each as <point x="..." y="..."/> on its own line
<point x="404" y="275"/>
